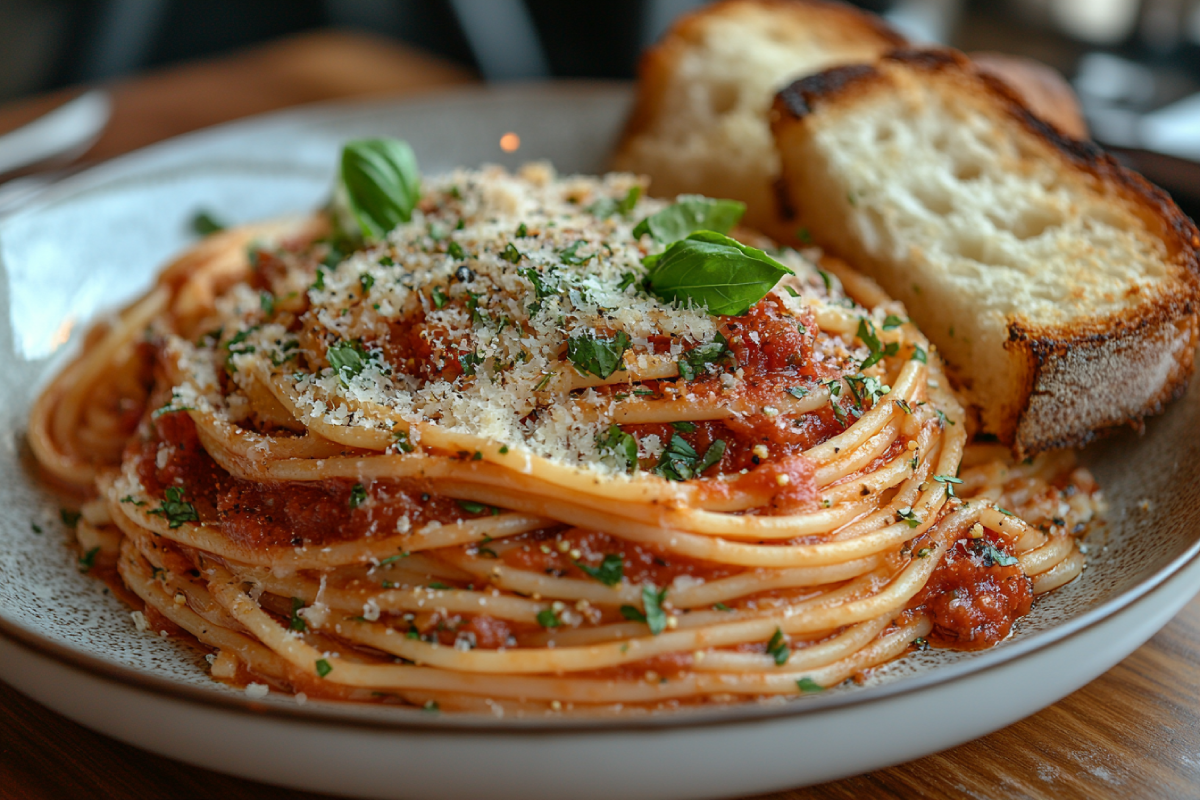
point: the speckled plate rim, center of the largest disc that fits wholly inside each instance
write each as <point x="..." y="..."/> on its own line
<point x="325" y="713"/>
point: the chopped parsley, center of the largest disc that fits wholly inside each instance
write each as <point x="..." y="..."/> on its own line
<point x="402" y="441"/>
<point x="610" y="571"/>
<point x="619" y="444"/>
<point x="358" y="495"/>
<point x="366" y="281"/>
<point x="348" y="359"/>
<point x="469" y="361"/>
<point x="570" y="255"/>
<point x="547" y="618"/>
<point x="69" y="518"/>
<point x="511" y="254"/>
<point x="697" y="359"/>
<point x="797" y="392"/>
<point x="919" y="355"/>
<point x="949" y="481"/>
<point x="721" y="607"/>
<point x="175" y="509"/>
<point x="439" y="297"/>
<point x="472" y="507"/>
<point x="993" y="555"/>
<point x="88" y="560"/>
<point x="654" y="616"/>
<point x="323" y="668"/>
<point x="868" y="336"/>
<point x="598" y="356"/>
<point x="681" y="462"/>
<point x="778" y="648"/>
<point x="892" y="322"/>
<point x="204" y="223"/>
<point x="908" y="516"/>
<point x="454" y="250"/>
<point x="684" y="427"/>
<point x="806" y="685"/>
<point x="297" y="622"/>
<point x="522" y="231"/>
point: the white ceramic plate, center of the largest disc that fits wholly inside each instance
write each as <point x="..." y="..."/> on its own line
<point x="95" y="241"/>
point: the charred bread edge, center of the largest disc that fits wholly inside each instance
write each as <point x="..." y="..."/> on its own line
<point x="651" y="85"/>
<point x="1044" y="344"/>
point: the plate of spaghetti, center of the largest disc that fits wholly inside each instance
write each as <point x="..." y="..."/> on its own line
<point x="426" y="454"/>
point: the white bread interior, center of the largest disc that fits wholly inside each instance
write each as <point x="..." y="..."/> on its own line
<point x="1059" y="287"/>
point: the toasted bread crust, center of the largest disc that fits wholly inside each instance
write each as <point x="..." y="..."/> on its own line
<point x="657" y="63"/>
<point x="1093" y="373"/>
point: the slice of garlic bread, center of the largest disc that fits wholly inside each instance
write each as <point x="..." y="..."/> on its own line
<point x="1060" y="287"/>
<point x="700" y="119"/>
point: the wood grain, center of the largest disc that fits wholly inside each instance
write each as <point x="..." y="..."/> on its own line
<point x="1133" y="732"/>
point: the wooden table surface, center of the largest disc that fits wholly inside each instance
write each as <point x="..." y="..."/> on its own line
<point x="1134" y="732"/>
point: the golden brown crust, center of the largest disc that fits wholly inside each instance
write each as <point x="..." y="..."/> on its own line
<point x="1068" y="367"/>
<point x="1043" y="88"/>
<point x="657" y="63"/>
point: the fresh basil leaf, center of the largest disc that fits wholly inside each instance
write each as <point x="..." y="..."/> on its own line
<point x="710" y="269"/>
<point x="600" y="357"/>
<point x="378" y="187"/>
<point x="610" y="571"/>
<point x="623" y="446"/>
<point x="691" y="213"/>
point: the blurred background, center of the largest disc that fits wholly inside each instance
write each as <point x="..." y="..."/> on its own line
<point x="1134" y="63"/>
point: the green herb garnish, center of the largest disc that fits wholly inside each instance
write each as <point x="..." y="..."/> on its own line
<point x="378" y="187"/>
<point x="866" y="334"/>
<point x="610" y="571"/>
<point x="654" y="616"/>
<point x="598" y="356"/>
<point x="175" y="510"/>
<point x="710" y="269"/>
<point x="621" y="445"/>
<point x="347" y="359"/>
<point x="297" y="622"/>
<point x="778" y="648"/>
<point x="204" y="223"/>
<point x="691" y="213"/>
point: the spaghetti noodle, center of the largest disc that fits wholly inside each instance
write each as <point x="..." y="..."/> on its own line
<point x="480" y="463"/>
